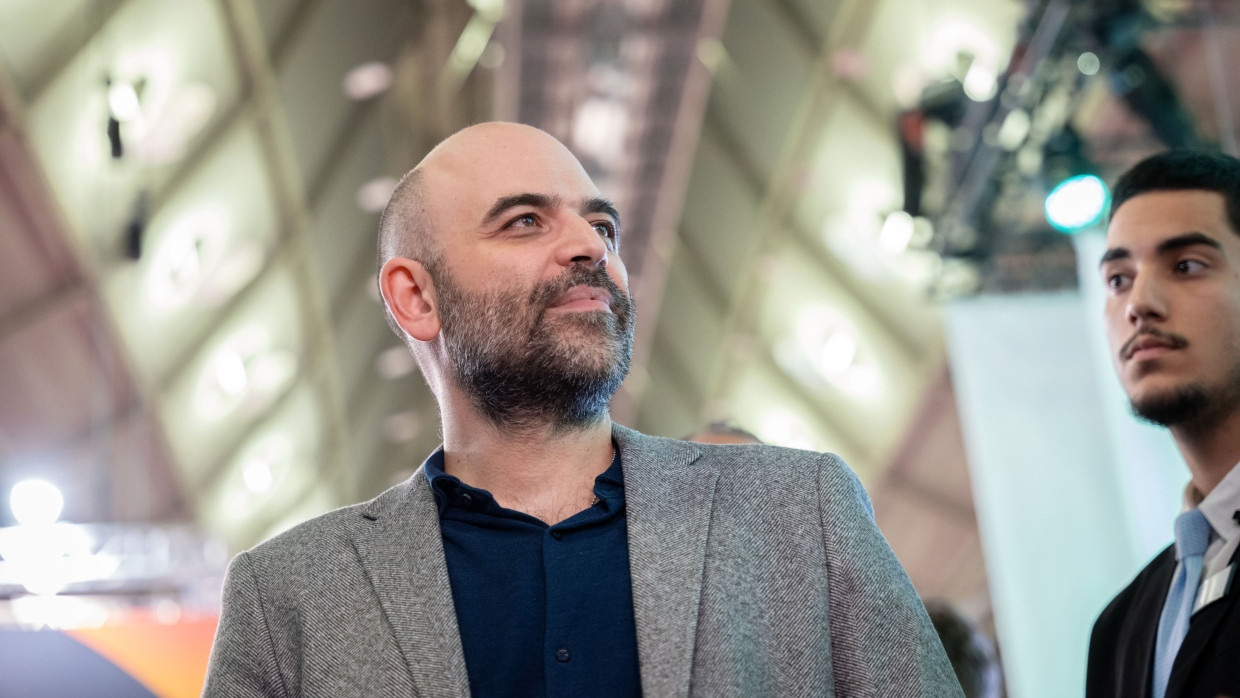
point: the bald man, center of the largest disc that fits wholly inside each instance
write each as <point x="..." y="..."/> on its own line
<point x="544" y="550"/>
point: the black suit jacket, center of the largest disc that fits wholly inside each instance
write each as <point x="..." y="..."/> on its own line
<point x="1121" y="648"/>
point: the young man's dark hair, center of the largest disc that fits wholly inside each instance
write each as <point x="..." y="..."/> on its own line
<point x="1183" y="169"/>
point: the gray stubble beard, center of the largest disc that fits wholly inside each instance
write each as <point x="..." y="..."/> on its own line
<point x="524" y="369"/>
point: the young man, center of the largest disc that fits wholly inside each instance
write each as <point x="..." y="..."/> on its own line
<point x="1172" y="270"/>
<point x="544" y="550"/>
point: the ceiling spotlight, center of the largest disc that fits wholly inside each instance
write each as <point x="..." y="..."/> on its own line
<point x="897" y="232"/>
<point x="395" y="362"/>
<point x="980" y="83"/>
<point x="368" y="80"/>
<point x="246" y="374"/>
<point x="123" y="101"/>
<point x="35" y="502"/>
<point x="257" y="474"/>
<point x="230" y="373"/>
<point x="373" y="195"/>
<point x="783" y="428"/>
<point x="401" y="426"/>
<point x="839" y="351"/>
<point x="599" y="128"/>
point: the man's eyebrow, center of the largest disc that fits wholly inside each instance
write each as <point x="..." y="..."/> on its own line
<point x="1171" y="244"/>
<point x="600" y="205"/>
<point x="1113" y="254"/>
<point x="528" y="199"/>
<point x="1187" y="240"/>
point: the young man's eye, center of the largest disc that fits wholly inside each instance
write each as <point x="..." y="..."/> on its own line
<point x="1116" y="281"/>
<point x="1189" y="266"/>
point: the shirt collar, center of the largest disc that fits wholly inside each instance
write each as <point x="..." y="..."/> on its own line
<point x="1221" y="506"/>
<point x="608" y="487"/>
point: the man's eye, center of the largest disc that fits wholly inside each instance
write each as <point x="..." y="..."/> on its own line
<point x="523" y="221"/>
<point x="1189" y="266"/>
<point x="605" y="229"/>
<point x="1116" y="282"/>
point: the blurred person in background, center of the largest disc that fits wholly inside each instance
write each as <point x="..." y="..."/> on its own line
<point x="723" y="432"/>
<point x="1172" y="271"/>
<point x="544" y="550"/>
<point x="970" y="652"/>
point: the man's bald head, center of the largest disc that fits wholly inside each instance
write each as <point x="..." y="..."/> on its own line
<point x="405" y="228"/>
<point x="427" y="196"/>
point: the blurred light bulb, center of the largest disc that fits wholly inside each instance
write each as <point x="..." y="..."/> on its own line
<point x="230" y="373"/>
<point x="897" y="232"/>
<point x="123" y="101"/>
<point x="368" y="80"/>
<point x="257" y="475"/>
<point x="838" y="353"/>
<point x="395" y="362"/>
<point x="980" y="83"/>
<point x="1077" y="203"/>
<point x="373" y="195"/>
<point x="35" y="502"/>
<point x="1088" y="63"/>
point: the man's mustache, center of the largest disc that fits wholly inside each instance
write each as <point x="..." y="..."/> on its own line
<point x="545" y="293"/>
<point x="1172" y="340"/>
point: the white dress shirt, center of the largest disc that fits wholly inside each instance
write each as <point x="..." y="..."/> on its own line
<point x="1222" y="509"/>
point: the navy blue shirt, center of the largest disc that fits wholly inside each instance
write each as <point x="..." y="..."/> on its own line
<point x="543" y="610"/>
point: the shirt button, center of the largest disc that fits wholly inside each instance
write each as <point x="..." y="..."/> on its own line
<point x="562" y="654"/>
<point x="558" y="536"/>
<point x="466" y="500"/>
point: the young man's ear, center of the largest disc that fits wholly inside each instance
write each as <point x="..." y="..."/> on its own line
<point x="409" y="292"/>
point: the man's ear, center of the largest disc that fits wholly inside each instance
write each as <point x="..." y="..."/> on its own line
<point x="409" y="292"/>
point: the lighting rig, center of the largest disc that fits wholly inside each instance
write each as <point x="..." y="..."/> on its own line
<point x="1015" y="175"/>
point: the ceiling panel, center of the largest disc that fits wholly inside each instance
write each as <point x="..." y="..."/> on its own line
<point x="203" y="246"/>
<point x="723" y="234"/>
<point x="335" y="38"/>
<point x="343" y="233"/>
<point x="269" y="471"/>
<point x="758" y="86"/>
<point x="30" y="30"/>
<point x="246" y="367"/>
<point x="178" y="58"/>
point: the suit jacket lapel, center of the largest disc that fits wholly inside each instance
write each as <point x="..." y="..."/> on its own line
<point x="1140" y="637"/>
<point x="1201" y="628"/>
<point x="400" y="546"/>
<point x="669" y="497"/>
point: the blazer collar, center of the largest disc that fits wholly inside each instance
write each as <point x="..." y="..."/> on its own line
<point x="400" y="546"/>
<point x="669" y="496"/>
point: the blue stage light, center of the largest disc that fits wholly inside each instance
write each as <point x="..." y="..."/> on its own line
<point x="1077" y="203"/>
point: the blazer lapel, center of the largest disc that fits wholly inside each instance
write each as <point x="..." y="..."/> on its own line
<point x="1201" y="628"/>
<point x="1138" y="638"/>
<point x="669" y="498"/>
<point x="400" y="546"/>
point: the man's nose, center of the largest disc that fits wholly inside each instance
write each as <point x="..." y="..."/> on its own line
<point x="582" y="244"/>
<point x="1146" y="300"/>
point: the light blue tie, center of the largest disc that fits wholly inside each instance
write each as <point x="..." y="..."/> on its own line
<point x="1192" y="537"/>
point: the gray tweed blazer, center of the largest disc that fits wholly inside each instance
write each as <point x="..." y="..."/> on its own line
<point x="757" y="571"/>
